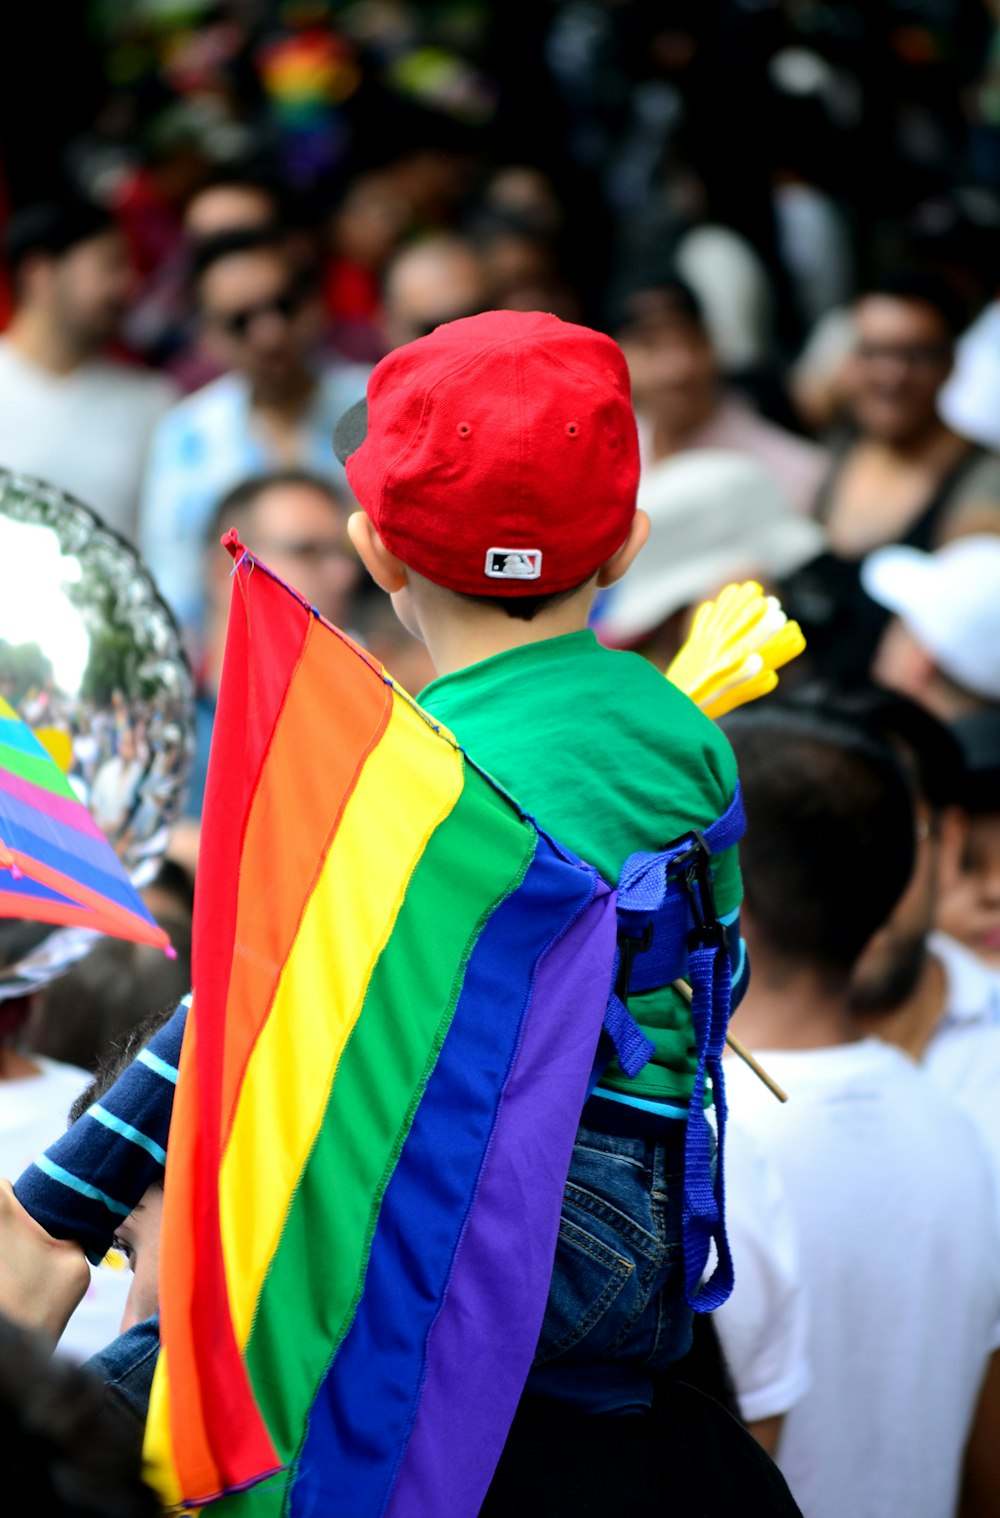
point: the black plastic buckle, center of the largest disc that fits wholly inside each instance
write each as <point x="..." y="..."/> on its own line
<point x="695" y="869"/>
<point x="629" y="946"/>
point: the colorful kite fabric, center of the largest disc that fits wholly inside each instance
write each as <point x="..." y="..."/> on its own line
<point x="55" y="863"/>
<point x="399" y="989"/>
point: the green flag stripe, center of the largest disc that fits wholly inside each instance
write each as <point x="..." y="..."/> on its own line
<point x="474" y="859"/>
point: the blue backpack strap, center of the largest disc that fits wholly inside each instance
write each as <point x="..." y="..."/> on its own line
<point x="668" y="928"/>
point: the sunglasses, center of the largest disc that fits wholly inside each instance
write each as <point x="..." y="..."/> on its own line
<point x="286" y="304"/>
<point x="311" y="550"/>
<point x="913" y="355"/>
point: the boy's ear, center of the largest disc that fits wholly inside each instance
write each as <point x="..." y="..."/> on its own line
<point x="386" y="570"/>
<point x="622" y="560"/>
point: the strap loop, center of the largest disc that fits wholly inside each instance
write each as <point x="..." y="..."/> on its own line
<point x="668" y="928"/>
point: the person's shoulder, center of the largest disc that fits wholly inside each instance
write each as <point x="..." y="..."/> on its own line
<point x="8" y="358"/>
<point x="675" y="725"/>
<point x="801" y="448"/>
<point x="133" y="380"/>
<point x="219" y="398"/>
<point x="159" y="390"/>
<point x="343" y="383"/>
<point x="621" y="669"/>
<point x="937" y="1115"/>
<point x="24" y="384"/>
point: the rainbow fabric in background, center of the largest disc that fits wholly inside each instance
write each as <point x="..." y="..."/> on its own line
<point x="399" y="989"/>
<point x="56" y="865"/>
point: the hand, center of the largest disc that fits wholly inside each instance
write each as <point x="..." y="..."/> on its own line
<point x="42" y="1279"/>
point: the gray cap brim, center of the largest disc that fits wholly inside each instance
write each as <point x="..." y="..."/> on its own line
<point x="351" y="431"/>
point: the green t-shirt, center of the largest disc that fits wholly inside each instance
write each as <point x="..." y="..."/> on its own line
<point x="611" y="759"/>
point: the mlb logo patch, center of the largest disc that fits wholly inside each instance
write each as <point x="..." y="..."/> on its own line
<point x="513" y="563"/>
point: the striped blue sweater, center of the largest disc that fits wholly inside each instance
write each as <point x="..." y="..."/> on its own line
<point x="91" y="1178"/>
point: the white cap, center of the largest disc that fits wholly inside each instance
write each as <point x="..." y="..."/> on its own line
<point x="714" y="516"/>
<point x="950" y="602"/>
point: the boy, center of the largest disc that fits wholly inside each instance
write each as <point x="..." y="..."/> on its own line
<point x="496" y="463"/>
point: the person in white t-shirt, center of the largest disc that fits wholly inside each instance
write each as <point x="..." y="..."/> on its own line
<point x="889" y="1183"/>
<point x="763" y="1327"/>
<point x="68" y="413"/>
<point x="921" y="990"/>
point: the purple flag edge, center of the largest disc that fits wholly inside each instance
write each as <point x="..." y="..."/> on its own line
<point x="468" y="1396"/>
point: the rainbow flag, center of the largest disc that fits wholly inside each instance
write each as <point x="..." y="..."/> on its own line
<point x="55" y="863"/>
<point x="399" y="985"/>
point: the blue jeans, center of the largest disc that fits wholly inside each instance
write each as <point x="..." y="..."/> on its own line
<point x="616" y="1314"/>
<point x="126" y="1367"/>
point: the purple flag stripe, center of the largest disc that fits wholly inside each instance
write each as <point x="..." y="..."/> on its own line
<point x="505" y="1258"/>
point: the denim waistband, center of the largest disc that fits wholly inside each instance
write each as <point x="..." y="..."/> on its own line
<point x="627" y="1121"/>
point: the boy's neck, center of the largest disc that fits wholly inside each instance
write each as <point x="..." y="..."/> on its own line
<point x="458" y="634"/>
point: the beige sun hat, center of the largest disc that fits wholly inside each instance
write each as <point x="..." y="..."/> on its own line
<point x="715" y="516"/>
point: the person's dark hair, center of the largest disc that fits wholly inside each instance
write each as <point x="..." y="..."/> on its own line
<point x="924" y="288"/>
<point x="931" y="753"/>
<point x="651" y="290"/>
<point x="52" y="228"/>
<point x="118" y="1058"/>
<point x="96" y="1003"/>
<point x="238" y="502"/>
<point x="174" y="880"/>
<point x="212" y="250"/>
<point x="522" y="608"/>
<point x="829" y="846"/>
<point x="63" y="1451"/>
<point x="978" y="737"/>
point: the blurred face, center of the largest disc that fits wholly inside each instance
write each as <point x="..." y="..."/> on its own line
<point x="302" y="536"/>
<point x="970" y="900"/>
<point x="515" y="262"/>
<point x="672" y="369"/>
<point x="138" y="1238"/>
<point x="259" y="319"/>
<point x="431" y="286"/>
<point x="88" y="289"/>
<point x="902" y="357"/>
<point x="371" y="222"/>
<point x="227" y="208"/>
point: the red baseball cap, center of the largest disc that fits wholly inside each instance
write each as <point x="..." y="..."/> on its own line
<point x="498" y="455"/>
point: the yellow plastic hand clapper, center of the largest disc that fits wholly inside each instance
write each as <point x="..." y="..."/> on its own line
<point x="736" y="645"/>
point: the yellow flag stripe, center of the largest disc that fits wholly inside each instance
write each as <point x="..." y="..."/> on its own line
<point x="408" y="786"/>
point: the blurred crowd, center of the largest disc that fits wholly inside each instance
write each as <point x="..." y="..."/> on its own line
<point x="787" y="213"/>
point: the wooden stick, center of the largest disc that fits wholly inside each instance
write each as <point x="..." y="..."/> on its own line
<point x="744" y="1054"/>
<point x="741" y="1051"/>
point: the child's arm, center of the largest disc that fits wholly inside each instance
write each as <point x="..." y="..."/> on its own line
<point x="91" y="1178"/>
